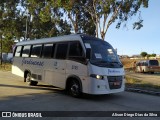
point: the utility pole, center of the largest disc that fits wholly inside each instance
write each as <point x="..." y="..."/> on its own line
<point x="26" y="32"/>
<point x="27" y="18"/>
<point x="1" y="50"/>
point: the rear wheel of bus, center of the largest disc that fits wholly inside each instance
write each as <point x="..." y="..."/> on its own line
<point x="29" y="81"/>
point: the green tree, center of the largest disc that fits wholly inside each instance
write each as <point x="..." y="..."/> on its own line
<point x="148" y="55"/>
<point x="9" y="24"/>
<point x="9" y="19"/>
<point x="44" y="20"/>
<point x="36" y="18"/>
<point x="80" y="19"/>
<point x="106" y="12"/>
<point x="153" y="55"/>
<point x="7" y="45"/>
<point x="144" y="54"/>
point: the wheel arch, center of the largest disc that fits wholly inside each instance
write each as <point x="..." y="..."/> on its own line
<point x="25" y="72"/>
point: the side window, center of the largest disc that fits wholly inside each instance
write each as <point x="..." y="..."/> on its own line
<point x="75" y="50"/>
<point x="26" y="51"/>
<point x="47" y="50"/>
<point x="36" y="50"/>
<point x="61" y="52"/>
<point x="138" y="64"/>
<point x="18" y="51"/>
<point x="145" y="64"/>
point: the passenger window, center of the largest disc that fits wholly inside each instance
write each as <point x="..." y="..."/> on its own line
<point x="61" y="51"/>
<point x="47" y="50"/>
<point x="139" y="64"/>
<point x="18" y="51"/>
<point x="145" y="64"/>
<point x="75" y="50"/>
<point x="26" y="51"/>
<point x="36" y="50"/>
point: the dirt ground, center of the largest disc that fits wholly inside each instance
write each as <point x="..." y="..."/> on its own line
<point x="149" y="78"/>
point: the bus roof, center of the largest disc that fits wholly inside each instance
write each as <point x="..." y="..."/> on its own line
<point x="147" y="60"/>
<point x="71" y="37"/>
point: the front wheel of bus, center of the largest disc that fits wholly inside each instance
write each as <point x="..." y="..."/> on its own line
<point x="74" y="89"/>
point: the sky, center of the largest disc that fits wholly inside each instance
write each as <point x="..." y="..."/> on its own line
<point x="132" y="42"/>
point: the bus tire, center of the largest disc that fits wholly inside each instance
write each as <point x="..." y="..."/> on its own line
<point x="33" y="83"/>
<point x="74" y="89"/>
<point x="29" y="81"/>
<point x="143" y="71"/>
<point x="27" y="77"/>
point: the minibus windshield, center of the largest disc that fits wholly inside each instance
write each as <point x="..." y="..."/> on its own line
<point x="103" y="54"/>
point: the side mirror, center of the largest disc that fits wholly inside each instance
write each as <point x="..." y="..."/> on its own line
<point x="88" y="53"/>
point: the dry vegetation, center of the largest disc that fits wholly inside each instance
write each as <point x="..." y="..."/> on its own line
<point x="140" y="84"/>
<point x="127" y="63"/>
<point x="6" y="67"/>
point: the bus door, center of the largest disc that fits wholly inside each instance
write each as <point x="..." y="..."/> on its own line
<point x="76" y="63"/>
<point x="59" y="65"/>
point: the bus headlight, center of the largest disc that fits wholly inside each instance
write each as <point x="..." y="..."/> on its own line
<point x="99" y="77"/>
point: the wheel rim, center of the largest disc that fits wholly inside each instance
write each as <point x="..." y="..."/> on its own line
<point x="74" y="89"/>
<point x="28" y="79"/>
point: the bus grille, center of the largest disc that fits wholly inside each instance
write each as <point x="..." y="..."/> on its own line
<point x="115" y="82"/>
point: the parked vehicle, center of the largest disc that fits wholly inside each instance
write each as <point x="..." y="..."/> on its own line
<point x="149" y="66"/>
<point x="7" y="57"/>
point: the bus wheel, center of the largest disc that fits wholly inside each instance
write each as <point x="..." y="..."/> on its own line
<point x="74" y="89"/>
<point x="30" y="82"/>
<point x="142" y="71"/>
<point x="28" y="77"/>
<point x="33" y="83"/>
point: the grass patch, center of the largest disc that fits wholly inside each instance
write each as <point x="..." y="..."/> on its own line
<point x="6" y="67"/>
<point x="139" y="84"/>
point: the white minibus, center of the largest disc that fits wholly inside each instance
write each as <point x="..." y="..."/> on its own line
<point x="78" y="63"/>
<point x="150" y="66"/>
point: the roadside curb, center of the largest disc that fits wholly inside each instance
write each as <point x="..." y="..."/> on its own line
<point x="143" y="91"/>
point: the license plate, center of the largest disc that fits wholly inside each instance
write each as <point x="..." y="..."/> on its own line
<point x="116" y="83"/>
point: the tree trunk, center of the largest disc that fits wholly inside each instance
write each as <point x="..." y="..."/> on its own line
<point x="102" y="35"/>
<point x="76" y="24"/>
